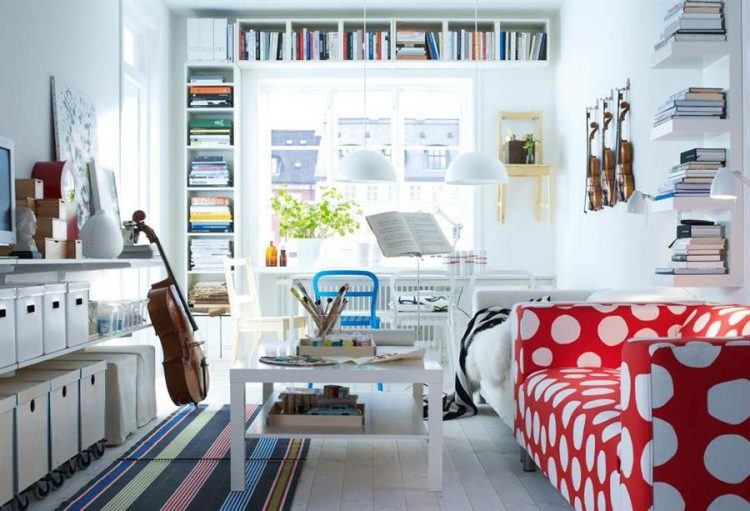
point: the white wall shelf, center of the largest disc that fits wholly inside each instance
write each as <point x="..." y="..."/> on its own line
<point x="690" y="129"/>
<point x="392" y="64"/>
<point x="68" y="265"/>
<point x="689" y="54"/>
<point x="679" y="204"/>
<point x="725" y="280"/>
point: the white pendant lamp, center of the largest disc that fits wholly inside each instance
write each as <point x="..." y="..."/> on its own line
<point x="724" y="185"/>
<point x="365" y="166"/>
<point x="476" y="167"/>
<point x="638" y="203"/>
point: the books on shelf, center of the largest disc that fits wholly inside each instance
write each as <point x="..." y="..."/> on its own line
<point x="316" y="45"/>
<point x="209" y="170"/>
<point x="208" y="96"/>
<point x="520" y="45"/>
<point x="210" y="39"/>
<point x="373" y="45"/>
<point x="210" y="132"/>
<point x="210" y="214"/>
<point x="207" y="296"/>
<point x="197" y="78"/>
<point x="412" y="45"/>
<point x="694" y="20"/>
<point x="693" y="177"/>
<point x="471" y="45"/>
<point x="207" y="254"/>
<point x="261" y="45"/>
<point x="693" y="102"/>
<point x="698" y="250"/>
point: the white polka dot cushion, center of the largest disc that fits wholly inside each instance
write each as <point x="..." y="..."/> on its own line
<point x="659" y="422"/>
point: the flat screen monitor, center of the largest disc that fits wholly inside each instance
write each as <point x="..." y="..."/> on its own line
<point x="7" y="193"/>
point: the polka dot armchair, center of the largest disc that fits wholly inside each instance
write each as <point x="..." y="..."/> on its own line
<point x="636" y="406"/>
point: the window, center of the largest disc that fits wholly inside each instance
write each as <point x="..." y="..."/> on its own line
<point x="421" y="129"/>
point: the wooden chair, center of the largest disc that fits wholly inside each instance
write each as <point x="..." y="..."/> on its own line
<point x="245" y="308"/>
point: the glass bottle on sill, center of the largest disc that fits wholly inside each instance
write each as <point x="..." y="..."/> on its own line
<point x="282" y="257"/>
<point x="272" y="258"/>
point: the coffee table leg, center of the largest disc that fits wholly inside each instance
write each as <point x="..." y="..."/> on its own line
<point x="267" y="391"/>
<point x="435" y="438"/>
<point x="417" y="390"/>
<point x="237" y="421"/>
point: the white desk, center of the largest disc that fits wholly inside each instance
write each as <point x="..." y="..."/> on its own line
<point x="388" y="415"/>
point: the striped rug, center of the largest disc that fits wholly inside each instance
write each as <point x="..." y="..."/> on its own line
<point x="183" y="464"/>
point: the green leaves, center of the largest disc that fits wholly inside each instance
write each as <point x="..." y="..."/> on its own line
<point x="330" y="216"/>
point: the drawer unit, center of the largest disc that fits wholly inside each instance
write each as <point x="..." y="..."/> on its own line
<point x="63" y="411"/>
<point x="54" y="317"/>
<point x="7" y="326"/>
<point x="32" y="457"/>
<point x="29" y="323"/>
<point x="77" y="311"/>
<point x="91" y="396"/>
<point x="7" y="440"/>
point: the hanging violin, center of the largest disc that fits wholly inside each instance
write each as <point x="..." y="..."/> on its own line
<point x="609" y="191"/>
<point x="593" y="172"/>
<point x="625" y="177"/>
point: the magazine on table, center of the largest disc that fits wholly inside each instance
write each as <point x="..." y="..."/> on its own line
<point x="417" y="353"/>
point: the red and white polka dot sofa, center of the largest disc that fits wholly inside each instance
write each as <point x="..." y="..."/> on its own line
<point x="626" y="406"/>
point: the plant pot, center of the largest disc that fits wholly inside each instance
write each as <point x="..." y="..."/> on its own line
<point x="308" y="251"/>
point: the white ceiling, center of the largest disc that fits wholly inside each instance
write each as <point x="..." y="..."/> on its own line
<point x="317" y="6"/>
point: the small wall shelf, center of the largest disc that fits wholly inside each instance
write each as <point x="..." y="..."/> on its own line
<point x="721" y="280"/>
<point x="691" y="204"/>
<point x="689" y="54"/>
<point x="690" y="129"/>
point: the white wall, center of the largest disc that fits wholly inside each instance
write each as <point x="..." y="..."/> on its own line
<point x="601" y="45"/>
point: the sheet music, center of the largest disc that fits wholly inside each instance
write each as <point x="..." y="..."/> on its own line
<point x="401" y="234"/>
<point x="393" y="234"/>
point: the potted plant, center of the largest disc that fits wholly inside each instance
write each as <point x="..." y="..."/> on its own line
<point x="529" y="145"/>
<point x="309" y="223"/>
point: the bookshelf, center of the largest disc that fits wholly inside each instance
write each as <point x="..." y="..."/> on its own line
<point x="700" y="56"/>
<point x="440" y="26"/>
<point x="231" y="77"/>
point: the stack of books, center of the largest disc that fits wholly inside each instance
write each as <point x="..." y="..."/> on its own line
<point x="411" y="45"/>
<point x="207" y="297"/>
<point x="698" y="250"/>
<point x="471" y="45"/>
<point x="261" y="45"/>
<point x="209" y="96"/>
<point x="694" y="20"/>
<point x="209" y="170"/>
<point x="693" y="102"/>
<point x="206" y="79"/>
<point x="210" y="214"/>
<point x="210" y="132"/>
<point x="517" y="45"/>
<point x="207" y="254"/>
<point x="373" y="45"/>
<point x="316" y="45"/>
<point x="693" y="176"/>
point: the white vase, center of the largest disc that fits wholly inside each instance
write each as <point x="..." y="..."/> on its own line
<point x="101" y="237"/>
<point x="308" y="251"/>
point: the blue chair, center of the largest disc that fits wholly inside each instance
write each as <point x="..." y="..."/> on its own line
<point x="371" y="320"/>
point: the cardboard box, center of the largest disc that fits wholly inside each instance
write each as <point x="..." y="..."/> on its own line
<point x="29" y="188"/>
<point x="60" y="249"/>
<point x="276" y="418"/>
<point x="50" y="208"/>
<point x="51" y="228"/>
<point x="26" y="203"/>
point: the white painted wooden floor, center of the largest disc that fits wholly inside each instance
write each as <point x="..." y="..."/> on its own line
<point x="482" y="469"/>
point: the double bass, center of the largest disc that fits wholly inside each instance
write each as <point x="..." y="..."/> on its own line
<point x="625" y="178"/>
<point x="593" y="173"/>
<point x="185" y="366"/>
<point x="608" y="161"/>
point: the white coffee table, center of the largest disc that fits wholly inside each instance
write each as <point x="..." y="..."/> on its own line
<point x="388" y="415"/>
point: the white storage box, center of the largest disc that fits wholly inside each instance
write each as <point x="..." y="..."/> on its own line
<point x="91" y="396"/>
<point x="32" y="457"/>
<point x="120" y="393"/>
<point x="54" y="317"/>
<point x="29" y="323"/>
<point x="7" y="326"/>
<point x="63" y="410"/>
<point x="145" y="391"/>
<point x="77" y="312"/>
<point x="7" y="440"/>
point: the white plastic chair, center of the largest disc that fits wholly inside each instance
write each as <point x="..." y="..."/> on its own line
<point x="245" y="308"/>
